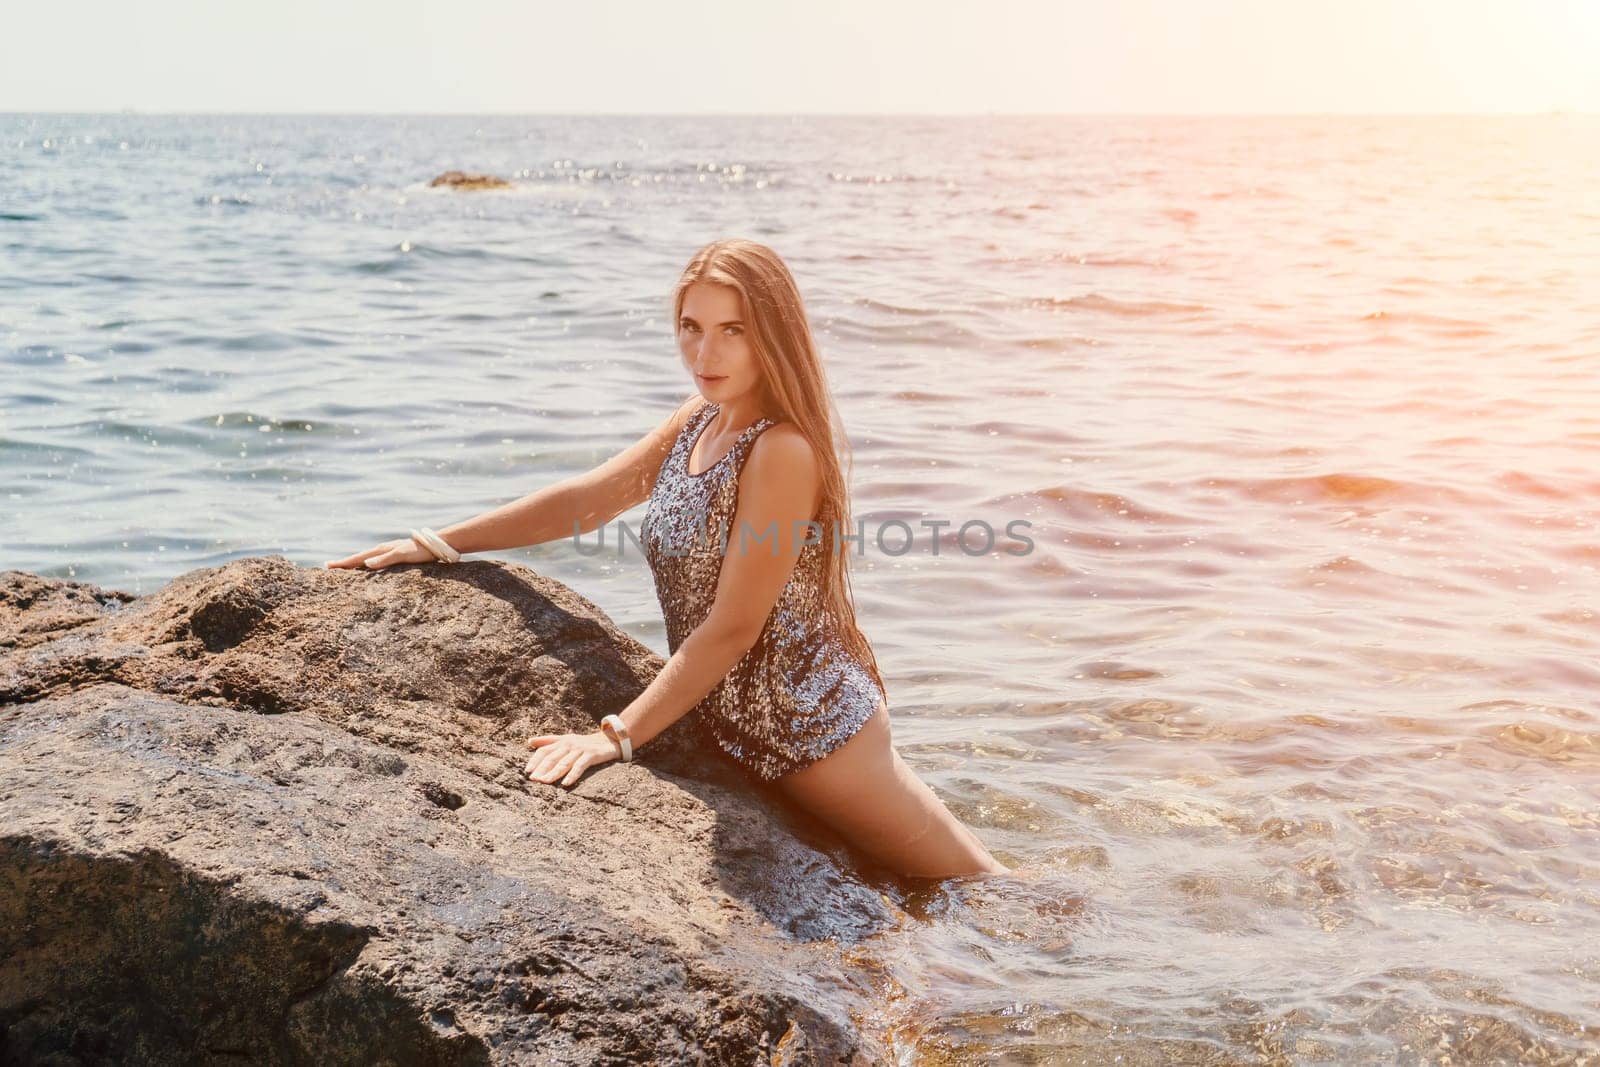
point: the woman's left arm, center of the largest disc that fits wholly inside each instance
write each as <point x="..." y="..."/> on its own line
<point x="777" y="498"/>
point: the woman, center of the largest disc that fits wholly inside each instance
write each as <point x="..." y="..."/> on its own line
<point x="760" y="624"/>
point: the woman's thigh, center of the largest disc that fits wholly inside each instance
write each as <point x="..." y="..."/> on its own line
<point x="867" y="794"/>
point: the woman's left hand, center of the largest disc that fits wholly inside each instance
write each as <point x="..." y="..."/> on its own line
<point x="568" y="754"/>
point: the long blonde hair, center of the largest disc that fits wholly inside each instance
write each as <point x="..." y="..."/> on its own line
<point x="795" y="389"/>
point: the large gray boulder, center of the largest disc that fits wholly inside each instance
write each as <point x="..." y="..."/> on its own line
<point x="276" y="813"/>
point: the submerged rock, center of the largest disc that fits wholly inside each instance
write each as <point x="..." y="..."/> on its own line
<point x="456" y="179"/>
<point x="277" y="812"/>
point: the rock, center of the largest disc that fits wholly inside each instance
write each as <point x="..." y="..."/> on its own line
<point x="34" y="609"/>
<point x="456" y="179"/>
<point x="277" y="812"/>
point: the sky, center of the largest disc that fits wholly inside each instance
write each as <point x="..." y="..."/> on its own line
<point x="1165" y="57"/>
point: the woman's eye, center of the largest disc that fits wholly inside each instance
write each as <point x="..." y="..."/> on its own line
<point x="734" y="331"/>
<point x="690" y="326"/>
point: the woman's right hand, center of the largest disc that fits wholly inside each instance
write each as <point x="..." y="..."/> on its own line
<point x="400" y="550"/>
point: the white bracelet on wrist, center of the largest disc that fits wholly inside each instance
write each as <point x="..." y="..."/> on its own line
<point x="440" y="548"/>
<point x="613" y="727"/>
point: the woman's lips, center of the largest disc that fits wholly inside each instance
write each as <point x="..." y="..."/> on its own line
<point x="712" y="377"/>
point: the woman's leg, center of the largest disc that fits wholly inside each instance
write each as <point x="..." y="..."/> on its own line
<point x="867" y="794"/>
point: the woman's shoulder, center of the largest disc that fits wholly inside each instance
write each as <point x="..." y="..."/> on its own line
<point x="693" y="404"/>
<point x="779" y="435"/>
<point x="782" y="452"/>
<point x="783" y="462"/>
<point x="691" y="410"/>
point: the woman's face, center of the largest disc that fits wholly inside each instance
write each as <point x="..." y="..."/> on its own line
<point x="715" y="341"/>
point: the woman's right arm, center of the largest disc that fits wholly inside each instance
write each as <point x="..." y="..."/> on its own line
<point x="590" y="500"/>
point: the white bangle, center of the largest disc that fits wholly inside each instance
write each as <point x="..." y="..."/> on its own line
<point x="427" y="546"/>
<point x="440" y="546"/>
<point x="613" y="727"/>
<point x="437" y="545"/>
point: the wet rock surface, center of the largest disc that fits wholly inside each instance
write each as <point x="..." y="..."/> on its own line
<point x="277" y="812"/>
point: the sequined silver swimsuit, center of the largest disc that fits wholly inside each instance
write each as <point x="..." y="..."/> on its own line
<point x="798" y="693"/>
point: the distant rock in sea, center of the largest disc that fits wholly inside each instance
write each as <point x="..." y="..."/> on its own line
<point x="456" y="179"/>
<point x="277" y="813"/>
